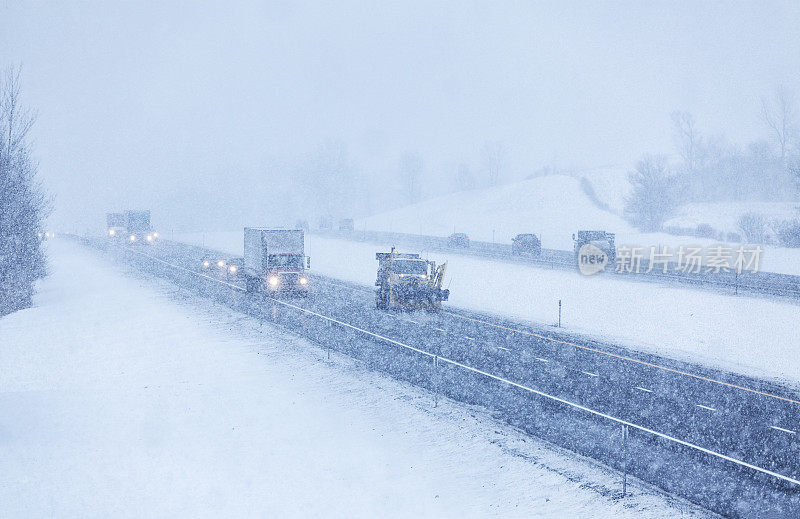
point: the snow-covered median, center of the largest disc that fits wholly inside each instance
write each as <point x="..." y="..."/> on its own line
<point x="123" y="396"/>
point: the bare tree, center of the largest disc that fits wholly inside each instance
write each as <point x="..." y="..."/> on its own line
<point x="24" y="205"/>
<point x="779" y="116"/>
<point x="494" y="158"/>
<point x="464" y="178"/>
<point x="332" y="178"/>
<point x="687" y="139"/>
<point x="411" y="166"/>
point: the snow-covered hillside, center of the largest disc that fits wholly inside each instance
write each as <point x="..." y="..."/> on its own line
<point x="610" y="185"/>
<point x="553" y="206"/>
<point x="124" y="397"/>
<point x="556" y="206"/>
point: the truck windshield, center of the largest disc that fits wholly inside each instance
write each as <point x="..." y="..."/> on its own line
<point x="294" y="261"/>
<point x="418" y="267"/>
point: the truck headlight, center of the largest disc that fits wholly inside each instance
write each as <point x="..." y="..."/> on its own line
<point x="206" y="264"/>
<point x="155" y="235"/>
<point x="232" y="269"/>
<point x="273" y="281"/>
<point x="112" y="232"/>
<point x="133" y="238"/>
<point x="149" y="237"/>
<point x="220" y="263"/>
<point x="304" y="281"/>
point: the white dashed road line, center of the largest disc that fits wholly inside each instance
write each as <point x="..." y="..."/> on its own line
<point x="701" y="406"/>
<point x="590" y="374"/>
<point x="470" y="338"/>
<point x="782" y="429"/>
<point x="644" y="389"/>
<point x="541" y="359"/>
<point x="505" y="349"/>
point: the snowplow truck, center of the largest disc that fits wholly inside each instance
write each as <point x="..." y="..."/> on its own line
<point x="275" y="261"/>
<point x="408" y="281"/>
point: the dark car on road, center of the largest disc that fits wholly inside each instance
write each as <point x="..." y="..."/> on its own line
<point x="458" y="239"/>
<point x="527" y="243"/>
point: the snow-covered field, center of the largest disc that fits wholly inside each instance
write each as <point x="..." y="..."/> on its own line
<point x="122" y="396"/>
<point x="725" y="216"/>
<point x="749" y="335"/>
<point x="555" y="206"/>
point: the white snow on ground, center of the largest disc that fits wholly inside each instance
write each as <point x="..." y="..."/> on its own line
<point x="123" y="396"/>
<point x="725" y="216"/>
<point x="610" y="185"/>
<point x="749" y="335"/>
<point x="555" y="207"/>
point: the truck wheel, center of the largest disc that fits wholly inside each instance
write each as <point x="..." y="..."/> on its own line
<point x="381" y="299"/>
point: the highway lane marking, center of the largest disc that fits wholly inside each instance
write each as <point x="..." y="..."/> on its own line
<point x="502" y="348"/>
<point x="413" y="321"/>
<point x="590" y="373"/>
<point x="439" y="330"/>
<point x="541" y="359"/>
<point x="511" y="383"/>
<point x="470" y="338"/>
<point x="625" y="358"/>
<point x="701" y="406"/>
<point x="644" y="389"/>
<point x="595" y="350"/>
<point x="782" y="429"/>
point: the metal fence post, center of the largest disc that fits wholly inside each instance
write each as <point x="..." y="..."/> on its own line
<point x="624" y="459"/>
<point x="559" y="313"/>
<point x="435" y="381"/>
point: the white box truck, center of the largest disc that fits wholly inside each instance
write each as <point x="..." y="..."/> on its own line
<point x="274" y="260"/>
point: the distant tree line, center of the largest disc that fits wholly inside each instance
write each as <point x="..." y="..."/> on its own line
<point x="711" y="169"/>
<point x="23" y="204"/>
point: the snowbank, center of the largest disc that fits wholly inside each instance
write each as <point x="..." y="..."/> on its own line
<point x="118" y="399"/>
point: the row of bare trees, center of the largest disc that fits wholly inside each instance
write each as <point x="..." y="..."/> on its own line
<point x="23" y="204"/>
<point x="493" y="159"/>
<point x="711" y="169"/>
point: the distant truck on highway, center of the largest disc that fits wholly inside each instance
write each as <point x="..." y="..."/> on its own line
<point x="600" y="250"/>
<point x="116" y="225"/>
<point x="275" y="261"/>
<point x="138" y="228"/>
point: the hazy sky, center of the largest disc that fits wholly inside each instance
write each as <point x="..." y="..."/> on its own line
<point x="153" y="104"/>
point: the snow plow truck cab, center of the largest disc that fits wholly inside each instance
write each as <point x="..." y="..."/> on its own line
<point x="408" y="281"/>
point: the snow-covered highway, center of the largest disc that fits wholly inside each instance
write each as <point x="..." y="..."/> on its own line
<point x="120" y="398"/>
